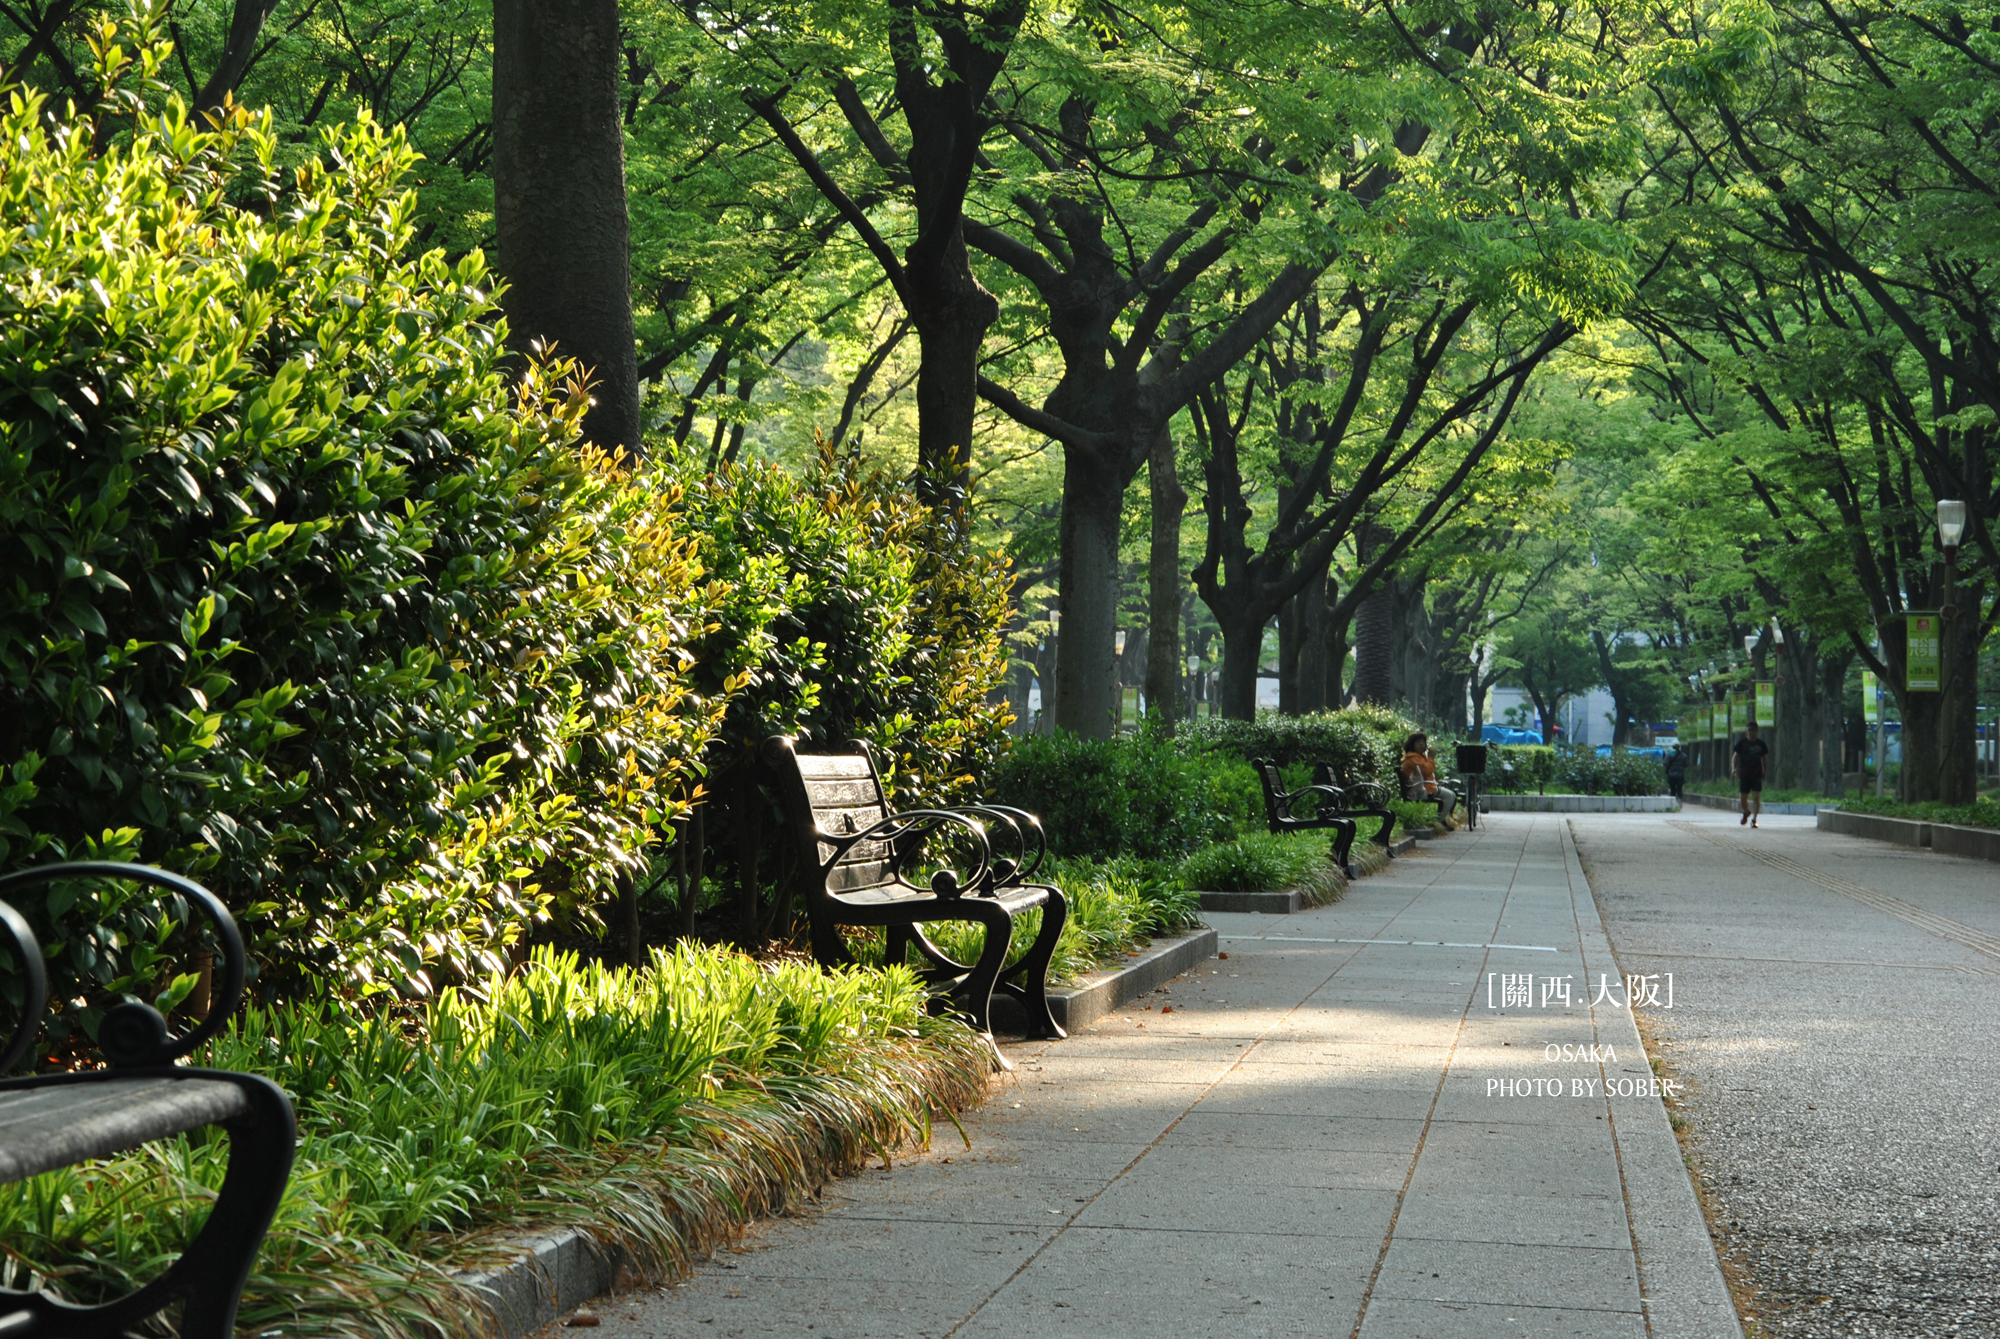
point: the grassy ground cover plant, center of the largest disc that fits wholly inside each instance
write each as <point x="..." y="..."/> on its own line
<point x="658" y="1107"/>
<point x="1258" y="862"/>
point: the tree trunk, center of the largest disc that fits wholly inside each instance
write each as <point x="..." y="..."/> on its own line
<point x="1164" y="590"/>
<point x="1833" y="723"/>
<point x="1314" y="626"/>
<point x="951" y="312"/>
<point x="1242" y="648"/>
<point x="1092" y="499"/>
<point x="560" y="223"/>
<point x="1291" y="645"/>
<point x="1374" y="646"/>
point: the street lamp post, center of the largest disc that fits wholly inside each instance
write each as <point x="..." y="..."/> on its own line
<point x="1194" y="684"/>
<point x="1951" y="529"/>
<point x="1118" y="681"/>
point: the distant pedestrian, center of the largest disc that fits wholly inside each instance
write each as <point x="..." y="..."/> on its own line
<point x="1677" y="772"/>
<point x="1419" y="773"/>
<point x="1748" y="765"/>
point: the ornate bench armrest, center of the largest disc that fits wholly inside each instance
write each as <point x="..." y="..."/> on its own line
<point x="1030" y="843"/>
<point x="897" y="828"/>
<point x="133" y="1033"/>
<point x="1289" y="798"/>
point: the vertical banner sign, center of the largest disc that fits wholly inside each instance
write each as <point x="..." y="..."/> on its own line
<point x="1920" y="665"/>
<point x="1871" y="698"/>
<point x="1767" y="704"/>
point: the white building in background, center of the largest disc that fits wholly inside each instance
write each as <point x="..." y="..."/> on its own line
<point x="1586" y="719"/>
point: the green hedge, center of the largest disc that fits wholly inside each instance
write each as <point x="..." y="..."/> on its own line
<point x="1139" y="795"/>
<point x="1362" y="743"/>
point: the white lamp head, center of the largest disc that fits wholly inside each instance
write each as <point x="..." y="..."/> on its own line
<point x="1194" y="664"/>
<point x="1118" y="642"/>
<point x="1055" y="620"/>
<point x="1777" y="633"/>
<point x="1749" y="643"/>
<point x="1951" y="523"/>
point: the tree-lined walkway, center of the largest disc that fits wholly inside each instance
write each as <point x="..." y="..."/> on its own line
<point x="1329" y="1132"/>
<point x="1834" y="1019"/>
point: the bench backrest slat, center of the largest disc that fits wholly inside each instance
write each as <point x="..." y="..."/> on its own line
<point x="844" y="795"/>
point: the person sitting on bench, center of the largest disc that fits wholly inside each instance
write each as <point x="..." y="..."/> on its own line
<point x="1419" y="773"/>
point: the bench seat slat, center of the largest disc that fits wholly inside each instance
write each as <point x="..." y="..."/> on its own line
<point x="42" y="1129"/>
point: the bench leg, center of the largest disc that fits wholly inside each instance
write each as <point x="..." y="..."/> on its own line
<point x="210" y="1273"/>
<point x="975" y="993"/>
<point x="1343" y="846"/>
<point x="261" y="1146"/>
<point x="1028" y="979"/>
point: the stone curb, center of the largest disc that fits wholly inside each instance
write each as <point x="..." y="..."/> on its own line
<point x="1102" y="991"/>
<point x="1403" y="846"/>
<point x="1268" y="904"/>
<point x="1578" y="804"/>
<point x="1943" y="838"/>
<point x="1723" y="802"/>
<point x="554" y="1275"/>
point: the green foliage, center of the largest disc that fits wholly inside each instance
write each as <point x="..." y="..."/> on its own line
<point x="662" y="1108"/>
<point x="854" y="611"/>
<point x="297" y="598"/>
<point x="1414" y="815"/>
<point x="1262" y="862"/>
<point x="1362" y="742"/>
<point x="1622" y="773"/>
<point x="1139" y="795"/>
<point x="1515" y="769"/>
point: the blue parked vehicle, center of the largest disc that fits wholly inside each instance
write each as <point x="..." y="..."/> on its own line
<point x="1507" y="734"/>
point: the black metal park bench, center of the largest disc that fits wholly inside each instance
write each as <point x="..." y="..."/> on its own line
<point x="51" y="1121"/>
<point x="855" y="856"/>
<point x="1330" y="808"/>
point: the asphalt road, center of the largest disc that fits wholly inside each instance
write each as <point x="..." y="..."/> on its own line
<point x="1833" y="1019"/>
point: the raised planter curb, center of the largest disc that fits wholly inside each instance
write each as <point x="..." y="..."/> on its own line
<point x="1268" y="904"/>
<point x="1943" y="838"/>
<point x="1876" y="827"/>
<point x="554" y="1276"/>
<point x="1102" y="991"/>
<point x="1973" y="843"/>
<point x="1579" y="804"/>
<point x="1723" y="802"/>
<point x="1402" y="846"/>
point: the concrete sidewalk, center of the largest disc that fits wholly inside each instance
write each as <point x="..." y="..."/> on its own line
<point x="1329" y="1132"/>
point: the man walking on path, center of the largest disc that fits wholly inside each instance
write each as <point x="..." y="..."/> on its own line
<point x="1677" y="772"/>
<point x="1748" y="767"/>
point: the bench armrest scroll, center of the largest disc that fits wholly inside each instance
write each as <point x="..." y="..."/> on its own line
<point x="133" y="1033"/>
<point x="35" y="992"/>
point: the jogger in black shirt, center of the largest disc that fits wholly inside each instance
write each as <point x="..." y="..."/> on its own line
<point x="1748" y="767"/>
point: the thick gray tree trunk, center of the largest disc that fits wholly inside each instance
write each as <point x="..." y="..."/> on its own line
<point x="1092" y="501"/>
<point x="1375" y="632"/>
<point x="559" y="214"/>
<point x="1163" y="582"/>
